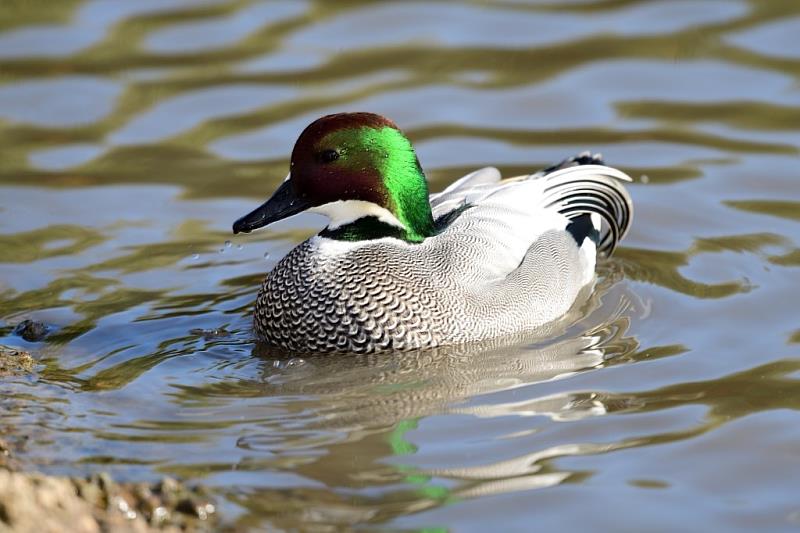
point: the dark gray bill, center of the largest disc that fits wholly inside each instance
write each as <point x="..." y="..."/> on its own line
<point x="282" y="204"/>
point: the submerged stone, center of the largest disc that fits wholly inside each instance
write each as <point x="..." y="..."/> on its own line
<point x="211" y="334"/>
<point x="14" y="362"/>
<point x="31" y="330"/>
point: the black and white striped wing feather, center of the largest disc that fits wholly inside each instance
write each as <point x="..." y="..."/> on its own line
<point x="592" y="189"/>
<point x="571" y="191"/>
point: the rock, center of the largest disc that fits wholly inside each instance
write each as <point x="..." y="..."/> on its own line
<point x="6" y="460"/>
<point x="31" y="330"/>
<point x="211" y="334"/>
<point x="14" y="361"/>
<point x="31" y="502"/>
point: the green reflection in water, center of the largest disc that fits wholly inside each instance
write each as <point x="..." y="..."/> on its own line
<point x="661" y="268"/>
<point x="743" y="115"/>
<point x="20" y="13"/>
<point x="775" y="208"/>
<point x="52" y="241"/>
<point x="789" y="259"/>
<point x="754" y="242"/>
<point x="400" y="446"/>
<point x="762" y="388"/>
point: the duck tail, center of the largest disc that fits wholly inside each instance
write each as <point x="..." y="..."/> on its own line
<point x="591" y="189"/>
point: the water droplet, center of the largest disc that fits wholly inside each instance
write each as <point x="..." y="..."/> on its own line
<point x="239" y="246"/>
<point x="287" y="364"/>
<point x="228" y="244"/>
<point x="195" y="257"/>
<point x="645" y="178"/>
<point x="266" y="255"/>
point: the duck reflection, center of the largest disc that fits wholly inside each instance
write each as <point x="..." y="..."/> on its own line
<point x="382" y="389"/>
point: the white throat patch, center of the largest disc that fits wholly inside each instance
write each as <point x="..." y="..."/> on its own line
<point x="344" y="212"/>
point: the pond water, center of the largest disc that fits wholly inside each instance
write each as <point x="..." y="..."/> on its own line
<point x="133" y="134"/>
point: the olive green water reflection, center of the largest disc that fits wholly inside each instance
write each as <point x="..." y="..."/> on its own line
<point x="132" y="135"/>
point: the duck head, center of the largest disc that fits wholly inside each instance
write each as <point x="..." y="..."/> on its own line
<point x="360" y="171"/>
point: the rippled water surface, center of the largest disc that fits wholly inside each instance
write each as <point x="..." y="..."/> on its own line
<point x="132" y="134"/>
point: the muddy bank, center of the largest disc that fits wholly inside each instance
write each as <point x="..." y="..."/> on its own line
<point x="34" y="502"/>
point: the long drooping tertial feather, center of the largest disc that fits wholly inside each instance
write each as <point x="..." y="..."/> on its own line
<point x="592" y="189"/>
<point x="572" y="188"/>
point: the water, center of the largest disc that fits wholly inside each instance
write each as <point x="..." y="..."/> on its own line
<point x="133" y="134"/>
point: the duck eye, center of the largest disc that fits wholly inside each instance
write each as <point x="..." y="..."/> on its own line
<point x="328" y="156"/>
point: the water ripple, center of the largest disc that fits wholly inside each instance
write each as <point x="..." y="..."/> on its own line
<point x="133" y="134"/>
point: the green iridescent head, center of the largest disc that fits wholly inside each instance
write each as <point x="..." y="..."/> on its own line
<point x="361" y="171"/>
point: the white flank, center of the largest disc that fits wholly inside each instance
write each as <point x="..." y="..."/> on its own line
<point x="344" y="212"/>
<point x="588" y="260"/>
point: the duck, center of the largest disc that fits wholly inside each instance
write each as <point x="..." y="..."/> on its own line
<point x="397" y="268"/>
